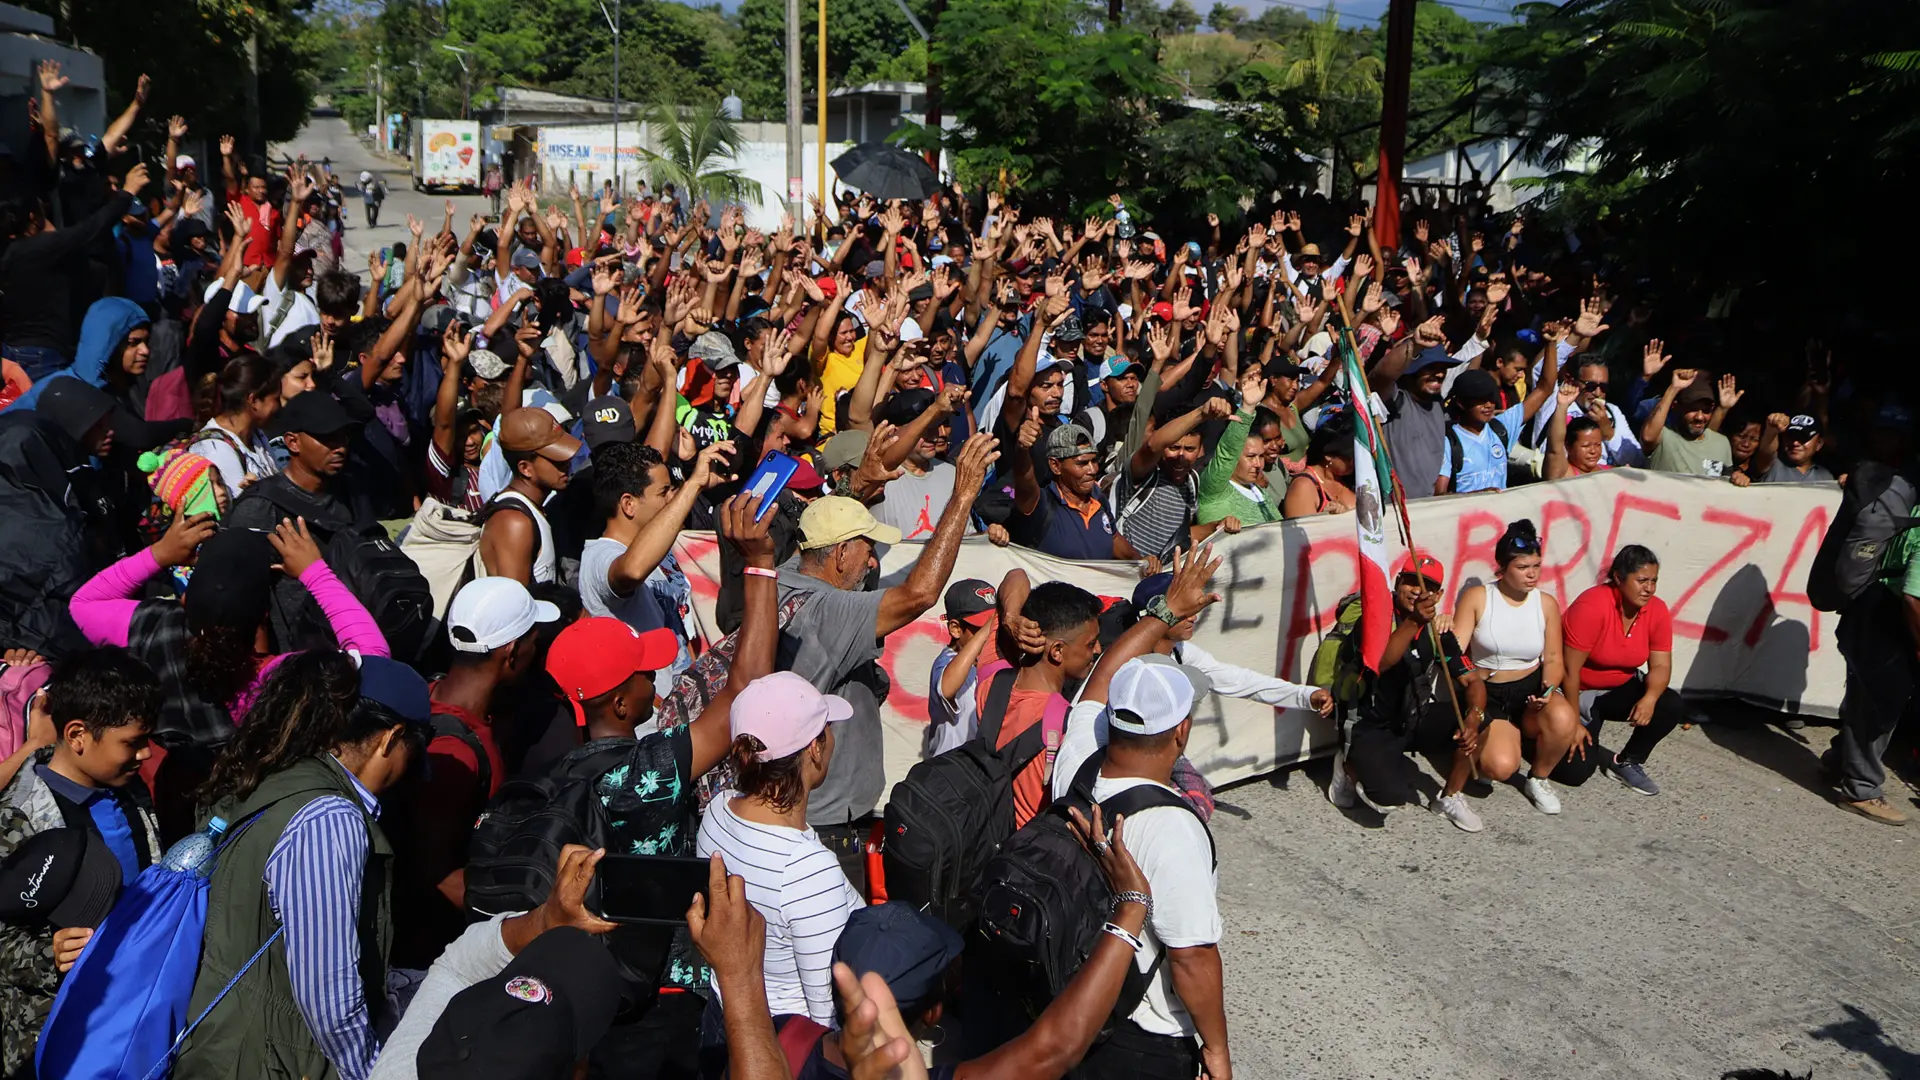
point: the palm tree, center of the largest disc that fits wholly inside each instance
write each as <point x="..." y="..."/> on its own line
<point x="1329" y="70"/>
<point x="695" y="152"/>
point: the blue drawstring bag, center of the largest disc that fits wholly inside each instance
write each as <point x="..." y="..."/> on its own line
<point x="121" y="1013"/>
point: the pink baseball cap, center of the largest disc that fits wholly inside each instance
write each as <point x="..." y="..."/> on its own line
<point x="785" y="713"/>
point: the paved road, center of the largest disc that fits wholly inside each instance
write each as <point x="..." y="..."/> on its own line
<point x="1736" y="921"/>
<point x="329" y="137"/>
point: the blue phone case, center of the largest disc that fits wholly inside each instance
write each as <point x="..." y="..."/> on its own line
<point x="769" y="479"/>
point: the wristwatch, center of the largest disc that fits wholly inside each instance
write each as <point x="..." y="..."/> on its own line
<point x="1157" y="607"/>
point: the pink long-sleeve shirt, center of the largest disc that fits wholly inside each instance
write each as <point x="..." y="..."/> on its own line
<point x="103" y="609"/>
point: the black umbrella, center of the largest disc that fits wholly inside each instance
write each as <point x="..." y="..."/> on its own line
<point x="885" y="171"/>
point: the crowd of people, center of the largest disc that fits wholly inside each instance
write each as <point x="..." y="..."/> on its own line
<point x="377" y="572"/>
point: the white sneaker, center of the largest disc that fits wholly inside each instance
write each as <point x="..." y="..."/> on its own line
<point x="1455" y="809"/>
<point x="1541" y="792"/>
<point x="1343" y="790"/>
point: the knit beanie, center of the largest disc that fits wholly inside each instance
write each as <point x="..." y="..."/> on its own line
<point x="182" y="480"/>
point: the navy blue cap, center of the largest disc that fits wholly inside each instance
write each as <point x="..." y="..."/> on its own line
<point x="907" y="947"/>
<point x="1150" y="587"/>
<point x="1431" y="356"/>
<point x="396" y="686"/>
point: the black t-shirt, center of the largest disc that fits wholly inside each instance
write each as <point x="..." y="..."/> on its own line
<point x="1402" y="692"/>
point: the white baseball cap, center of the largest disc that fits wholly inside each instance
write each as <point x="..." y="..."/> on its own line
<point x="244" y="301"/>
<point x="183" y="161"/>
<point x="1151" y="694"/>
<point x="493" y="611"/>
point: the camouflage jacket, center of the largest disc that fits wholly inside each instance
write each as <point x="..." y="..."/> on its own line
<point x="28" y="980"/>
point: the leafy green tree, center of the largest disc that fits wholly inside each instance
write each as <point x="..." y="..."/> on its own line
<point x="1045" y="91"/>
<point x="696" y="152"/>
<point x="1223" y="18"/>
<point x="865" y="41"/>
<point x="1181" y="17"/>
<point x="1709" y="120"/>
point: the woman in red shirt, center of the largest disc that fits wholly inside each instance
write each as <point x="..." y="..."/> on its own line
<point x="1612" y="632"/>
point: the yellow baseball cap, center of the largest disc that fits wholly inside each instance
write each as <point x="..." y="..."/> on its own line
<point x="837" y="519"/>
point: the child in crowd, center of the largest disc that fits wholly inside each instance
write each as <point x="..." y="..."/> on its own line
<point x="951" y="718"/>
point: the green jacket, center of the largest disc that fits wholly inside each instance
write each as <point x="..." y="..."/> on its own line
<point x="1219" y="499"/>
<point x="257" y="1030"/>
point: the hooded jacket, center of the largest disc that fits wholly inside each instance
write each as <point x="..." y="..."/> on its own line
<point x="106" y="326"/>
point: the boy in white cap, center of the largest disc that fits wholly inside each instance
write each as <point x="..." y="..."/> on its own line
<point x="1129" y="727"/>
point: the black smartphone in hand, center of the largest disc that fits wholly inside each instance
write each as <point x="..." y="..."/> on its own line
<point x="654" y="889"/>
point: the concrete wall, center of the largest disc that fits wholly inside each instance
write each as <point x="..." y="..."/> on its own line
<point x="82" y="106"/>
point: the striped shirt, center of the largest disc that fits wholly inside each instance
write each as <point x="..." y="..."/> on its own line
<point x="1154" y="513"/>
<point x="798" y="887"/>
<point x="313" y="878"/>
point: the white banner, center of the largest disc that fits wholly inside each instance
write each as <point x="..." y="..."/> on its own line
<point x="1733" y="569"/>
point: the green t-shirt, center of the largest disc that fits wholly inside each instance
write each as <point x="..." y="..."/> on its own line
<point x="1709" y="455"/>
<point x="1900" y="563"/>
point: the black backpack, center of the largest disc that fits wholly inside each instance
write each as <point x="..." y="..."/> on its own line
<point x="1878" y="505"/>
<point x="396" y="594"/>
<point x="516" y="841"/>
<point x="1045" y="898"/>
<point x="948" y="817"/>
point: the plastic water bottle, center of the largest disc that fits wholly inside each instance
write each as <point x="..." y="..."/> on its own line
<point x="196" y="851"/>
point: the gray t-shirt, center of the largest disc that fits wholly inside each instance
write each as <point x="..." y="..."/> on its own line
<point x="638" y="609"/>
<point x="1782" y="473"/>
<point x="830" y="643"/>
<point x="1709" y="455"/>
<point x="1417" y="436"/>
<point x="913" y="504"/>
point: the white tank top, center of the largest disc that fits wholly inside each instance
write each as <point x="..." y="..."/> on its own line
<point x="545" y="566"/>
<point x="1509" y="638"/>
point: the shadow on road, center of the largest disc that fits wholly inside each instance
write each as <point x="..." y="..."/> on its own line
<point x="1862" y="1034"/>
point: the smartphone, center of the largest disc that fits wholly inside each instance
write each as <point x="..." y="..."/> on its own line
<point x="648" y="888"/>
<point x="769" y="479"/>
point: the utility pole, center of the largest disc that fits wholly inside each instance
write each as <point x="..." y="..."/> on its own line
<point x="820" y="92"/>
<point x="460" y="54"/>
<point x="796" y="175"/>
<point x="1393" y="122"/>
<point x="613" y="23"/>
<point x="380" y="94"/>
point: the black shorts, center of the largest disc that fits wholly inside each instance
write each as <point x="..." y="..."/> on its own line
<point x="1508" y="700"/>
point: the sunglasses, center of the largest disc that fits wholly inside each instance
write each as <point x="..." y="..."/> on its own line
<point x="1522" y="543"/>
<point x="1593" y="387"/>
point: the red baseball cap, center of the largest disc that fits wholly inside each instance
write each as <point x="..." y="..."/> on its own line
<point x="1424" y="565"/>
<point x="1163" y="311"/>
<point x="594" y="656"/>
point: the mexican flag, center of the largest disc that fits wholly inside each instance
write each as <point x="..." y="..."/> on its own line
<point x="1372" y="490"/>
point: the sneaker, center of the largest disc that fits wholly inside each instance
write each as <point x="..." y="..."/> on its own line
<point x="1793" y="723"/>
<point x="1879" y="810"/>
<point x="1456" y="809"/>
<point x="1541" y="792"/>
<point x="1634" y="775"/>
<point x="1343" y="789"/>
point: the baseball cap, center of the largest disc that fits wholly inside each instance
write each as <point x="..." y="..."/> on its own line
<point x="837" y="519"/>
<point x="1069" y="441"/>
<point x="1070" y="330"/>
<point x="785" y="712"/>
<point x="530" y="430"/>
<point x="1120" y="365"/>
<point x="843" y="450"/>
<point x="525" y="259"/>
<point x="1475" y="384"/>
<point x="315" y="412"/>
<point x="1163" y="311"/>
<point x="1150" y="587"/>
<point x="1152" y="694"/>
<point x="396" y="686"/>
<point x="972" y="601"/>
<point x="232" y="578"/>
<point x="608" y="420"/>
<point x="183" y="161"/>
<point x="545" y="1011"/>
<point x="486" y="363"/>
<point x="1282" y="369"/>
<point x="594" y="656"/>
<point x="906" y="406"/>
<point x="1802" y="426"/>
<point x="1424" y="565"/>
<point x="244" y="301"/>
<point x="493" y="611"/>
<point x="1321" y="343"/>
<point x="715" y="350"/>
<point x="805" y="477"/>
<point x="1431" y="356"/>
<point x="57" y="877"/>
<point x="1697" y="391"/>
<point x="903" y="945"/>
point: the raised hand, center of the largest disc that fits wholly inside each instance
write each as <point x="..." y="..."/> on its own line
<point x="1029" y="432"/>
<point x="183" y="538"/>
<point x="1430" y="333"/>
<point x="226" y="146"/>
<point x="176" y="128"/>
<point x="1730" y="392"/>
<point x="454" y="345"/>
<point x="1363" y="265"/>
<point x="1653" y="359"/>
<point x="51" y="80"/>
<point x="1567" y="392"/>
<point x="1389" y="322"/>
<point x="976" y="457"/>
<point x="1497" y="292"/>
<point x="1356" y="223"/>
<point x="1778" y="422"/>
<point x="295" y="545"/>
<point x="1589" y="324"/>
<point x="416" y="227"/>
<point x="1253" y="386"/>
<point x="1188" y="595"/>
<point x="1373" y="299"/>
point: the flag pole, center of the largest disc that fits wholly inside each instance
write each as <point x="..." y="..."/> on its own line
<point x="1362" y="414"/>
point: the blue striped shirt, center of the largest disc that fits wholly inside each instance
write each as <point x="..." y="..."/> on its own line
<point x="313" y="878"/>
